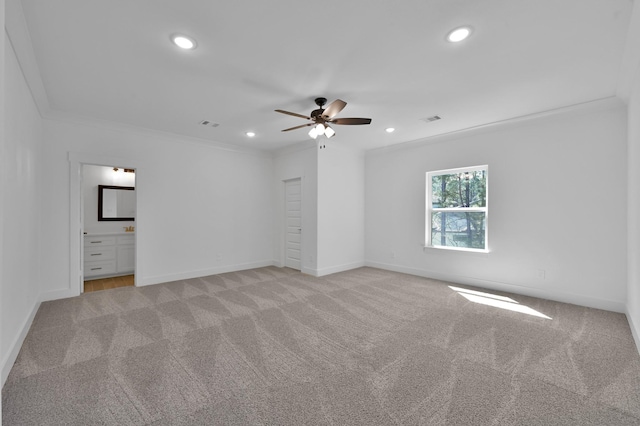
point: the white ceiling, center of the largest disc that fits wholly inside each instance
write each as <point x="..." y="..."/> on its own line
<point x="112" y="60"/>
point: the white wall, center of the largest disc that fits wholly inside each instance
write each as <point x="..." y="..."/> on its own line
<point x="21" y="165"/>
<point x="332" y="205"/>
<point x="633" y="194"/>
<point x="201" y="209"/>
<point x="298" y="162"/>
<point x="2" y="180"/>
<point x="629" y="90"/>
<point x="557" y="203"/>
<point x="92" y="176"/>
<point x="340" y="208"/>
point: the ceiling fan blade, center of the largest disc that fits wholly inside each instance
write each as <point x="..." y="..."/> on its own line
<point x="334" y="108"/>
<point x="292" y="113"/>
<point x="350" y="121"/>
<point x="299" y="127"/>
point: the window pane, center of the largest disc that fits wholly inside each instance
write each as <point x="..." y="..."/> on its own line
<point x="468" y="189"/>
<point x="458" y="229"/>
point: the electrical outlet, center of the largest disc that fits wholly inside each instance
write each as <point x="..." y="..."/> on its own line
<point x="219" y="257"/>
<point x="393" y="254"/>
<point x="541" y="274"/>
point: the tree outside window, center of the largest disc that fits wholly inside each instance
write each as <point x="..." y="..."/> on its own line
<point x="457" y="208"/>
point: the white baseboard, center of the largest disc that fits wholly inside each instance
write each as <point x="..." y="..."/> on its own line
<point x="558" y="296"/>
<point x="340" y="268"/>
<point x="144" y="281"/>
<point x="14" y="349"/>
<point x="309" y="271"/>
<point x="635" y="330"/>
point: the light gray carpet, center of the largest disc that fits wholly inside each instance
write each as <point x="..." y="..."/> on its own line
<point x="364" y="347"/>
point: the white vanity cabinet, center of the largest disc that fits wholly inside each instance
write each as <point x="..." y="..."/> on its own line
<point x="108" y="255"/>
<point x="125" y="254"/>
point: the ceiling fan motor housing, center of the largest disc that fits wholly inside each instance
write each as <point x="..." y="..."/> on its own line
<point x="320" y="102"/>
<point x="316" y="114"/>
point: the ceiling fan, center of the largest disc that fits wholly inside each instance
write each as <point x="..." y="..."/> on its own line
<point x="322" y="117"/>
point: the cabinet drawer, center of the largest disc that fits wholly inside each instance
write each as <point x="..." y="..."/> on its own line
<point x="96" y="268"/>
<point x="126" y="239"/>
<point x="99" y="253"/>
<point x="98" y="241"/>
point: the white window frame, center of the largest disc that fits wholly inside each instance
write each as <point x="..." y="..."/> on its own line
<point x="429" y="209"/>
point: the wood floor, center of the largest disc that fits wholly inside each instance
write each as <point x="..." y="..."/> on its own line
<point x="107" y="283"/>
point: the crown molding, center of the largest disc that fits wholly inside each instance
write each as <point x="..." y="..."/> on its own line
<point x="294" y="148"/>
<point x="630" y="68"/>
<point x="602" y="104"/>
<point x="19" y="38"/>
<point x="68" y="118"/>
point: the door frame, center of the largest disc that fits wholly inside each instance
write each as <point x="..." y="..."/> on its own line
<point x="283" y="251"/>
<point x="76" y="207"/>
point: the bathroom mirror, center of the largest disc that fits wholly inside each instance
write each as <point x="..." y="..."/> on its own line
<point x="116" y="203"/>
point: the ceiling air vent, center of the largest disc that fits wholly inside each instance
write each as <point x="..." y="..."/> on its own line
<point x="432" y="118"/>
<point x="209" y="123"/>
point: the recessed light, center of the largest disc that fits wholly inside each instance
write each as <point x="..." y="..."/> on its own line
<point x="458" y="34"/>
<point x="250" y="134"/>
<point x="389" y="129"/>
<point x="183" y="42"/>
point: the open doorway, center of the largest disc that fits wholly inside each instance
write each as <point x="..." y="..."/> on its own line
<point x="108" y="212"/>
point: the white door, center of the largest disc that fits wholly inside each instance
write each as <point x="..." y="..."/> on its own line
<point x="293" y="223"/>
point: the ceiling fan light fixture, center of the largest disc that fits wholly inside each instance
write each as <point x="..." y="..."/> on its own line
<point x="319" y="118"/>
<point x="329" y="132"/>
<point x="183" y="42"/>
<point x="458" y="34"/>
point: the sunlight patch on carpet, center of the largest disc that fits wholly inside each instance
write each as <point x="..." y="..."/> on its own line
<point x="496" y="301"/>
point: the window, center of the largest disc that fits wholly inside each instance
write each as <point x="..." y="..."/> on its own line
<point x="456" y="213"/>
